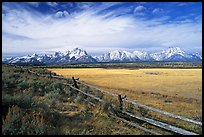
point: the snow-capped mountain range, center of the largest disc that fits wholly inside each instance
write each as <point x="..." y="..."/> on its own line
<point x="80" y="56"/>
<point x="170" y="54"/>
<point x="75" y="56"/>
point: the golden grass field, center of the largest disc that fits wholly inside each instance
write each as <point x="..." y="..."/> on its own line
<point x="174" y="90"/>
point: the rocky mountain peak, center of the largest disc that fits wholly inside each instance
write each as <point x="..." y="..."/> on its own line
<point x="78" y="55"/>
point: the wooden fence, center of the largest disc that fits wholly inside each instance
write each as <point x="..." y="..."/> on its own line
<point x="123" y="99"/>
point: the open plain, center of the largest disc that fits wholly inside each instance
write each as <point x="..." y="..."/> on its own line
<point x="178" y="91"/>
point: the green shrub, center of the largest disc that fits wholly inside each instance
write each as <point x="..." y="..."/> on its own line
<point x="116" y="109"/>
<point x="15" y="75"/>
<point x="11" y="123"/>
<point x="19" y="70"/>
<point x="78" y="99"/>
<point x="143" y="111"/>
<point x="195" y="128"/>
<point x="9" y="83"/>
<point x="52" y="95"/>
<point x="35" y="86"/>
<point x="23" y="101"/>
<point x="106" y="105"/>
<point x="21" y="123"/>
<point x="58" y="86"/>
<point x="130" y="107"/>
<point x="38" y="87"/>
<point x="23" y="85"/>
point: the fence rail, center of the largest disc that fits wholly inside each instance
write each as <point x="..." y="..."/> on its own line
<point x="136" y="125"/>
<point x="145" y="119"/>
<point x="147" y="107"/>
<point x="87" y="94"/>
<point x="161" y="124"/>
<point x="96" y="88"/>
<point x="165" y="113"/>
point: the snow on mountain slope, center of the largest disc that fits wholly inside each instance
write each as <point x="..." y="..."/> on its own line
<point x="144" y="56"/>
<point x="117" y="56"/>
<point x="74" y="56"/>
<point x="170" y="54"/>
<point x="166" y="54"/>
<point x="77" y="53"/>
<point x="80" y="56"/>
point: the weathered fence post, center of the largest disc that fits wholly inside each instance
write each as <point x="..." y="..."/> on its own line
<point x="75" y="83"/>
<point x="77" y="79"/>
<point x="120" y="98"/>
<point x="28" y="70"/>
<point x="50" y="75"/>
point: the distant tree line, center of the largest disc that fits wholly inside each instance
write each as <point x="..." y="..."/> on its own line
<point x="135" y="65"/>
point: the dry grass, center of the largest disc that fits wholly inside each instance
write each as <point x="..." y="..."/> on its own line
<point x="174" y="90"/>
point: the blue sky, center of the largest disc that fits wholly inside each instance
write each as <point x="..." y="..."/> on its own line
<point x="99" y="27"/>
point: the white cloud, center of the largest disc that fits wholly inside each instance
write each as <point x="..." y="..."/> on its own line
<point x="92" y="32"/>
<point x="60" y="14"/>
<point x="141" y="2"/>
<point x="139" y="8"/>
<point x="157" y="11"/>
<point x="182" y="4"/>
<point x="52" y="4"/>
<point x="35" y="4"/>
